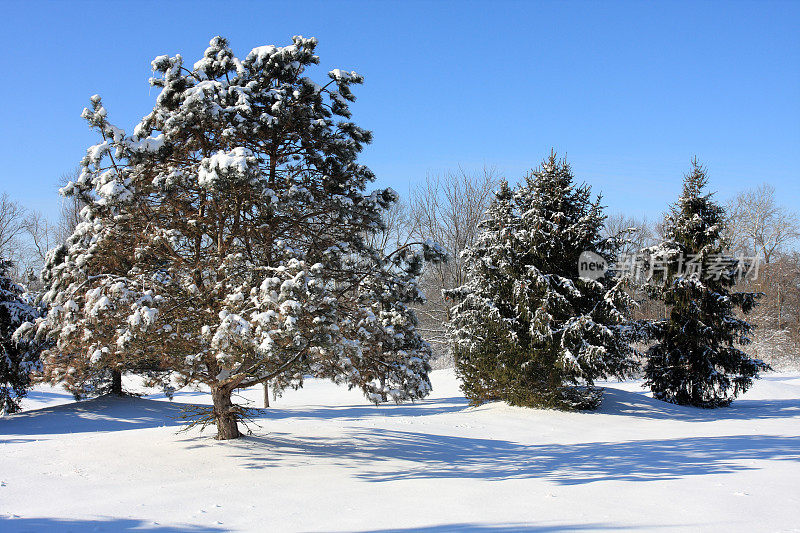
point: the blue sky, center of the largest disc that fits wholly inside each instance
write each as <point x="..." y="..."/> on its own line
<point x="628" y="90"/>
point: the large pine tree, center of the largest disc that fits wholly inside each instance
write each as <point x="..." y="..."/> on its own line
<point x="18" y="358"/>
<point x="228" y="237"/>
<point x="696" y="359"/>
<point x="527" y="329"/>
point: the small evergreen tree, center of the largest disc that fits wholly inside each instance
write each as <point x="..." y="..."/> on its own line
<point x="527" y="329"/>
<point x="18" y="359"/>
<point x="695" y="359"/>
<point x="228" y="237"/>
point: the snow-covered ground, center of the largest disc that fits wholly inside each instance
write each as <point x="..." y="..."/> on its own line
<point x="325" y="460"/>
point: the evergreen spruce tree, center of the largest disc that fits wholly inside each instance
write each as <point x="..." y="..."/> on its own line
<point x="18" y="359"/>
<point x="695" y="359"/>
<point x="527" y="329"/>
<point x="228" y="237"/>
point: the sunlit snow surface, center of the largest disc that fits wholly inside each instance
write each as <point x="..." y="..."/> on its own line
<point x="322" y="459"/>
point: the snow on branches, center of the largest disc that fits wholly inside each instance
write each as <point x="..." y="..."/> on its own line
<point x="695" y="357"/>
<point x="527" y="329"/>
<point x="18" y="358"/>
<point x="226" y="240"/>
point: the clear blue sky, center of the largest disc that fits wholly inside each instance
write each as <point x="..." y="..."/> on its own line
<point x="628" y="90"/>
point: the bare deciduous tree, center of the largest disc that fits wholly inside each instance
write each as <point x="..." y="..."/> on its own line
<point x="399" y="230"/>
<point x="69" y="215"/>
<point x="777" y="316"/>
<point x="41" y="235"/>
<point x="26" y="236"/>
<point x="759" y="225"/>
<point x="447" y="209"/>
<point x="633" y="234"/>
<point x="12" y="227"/>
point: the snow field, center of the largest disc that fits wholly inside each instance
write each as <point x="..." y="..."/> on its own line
<point x="323" y="459"/>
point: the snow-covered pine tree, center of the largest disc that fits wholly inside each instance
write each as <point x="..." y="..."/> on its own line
<point x="18" y="359"/>
<point x="483" y="322"/>
<point x="695" y="359"/>
<point x="527" y="329"/>
<point x="226" y="237"/>
<point x="94" y="255"/>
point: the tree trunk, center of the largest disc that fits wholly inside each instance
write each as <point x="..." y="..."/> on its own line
<point x="383" y="388"/>
<point x="266" y="394"/>
<point x="116" y="382"/>
<point x="224" y="414"/>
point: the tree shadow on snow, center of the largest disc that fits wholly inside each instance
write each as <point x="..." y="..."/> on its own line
<point x="615" y="402"/>
<point x="106" y="413"/>
<point x="41" y="396"/>
<point x="390" y="455"/>
<point x="20" y="525"/>
<point x="110" y="413"/>
<point x="640" y="405"/>
<point x="435" y="406"/>
<point x="503" y="528"/>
